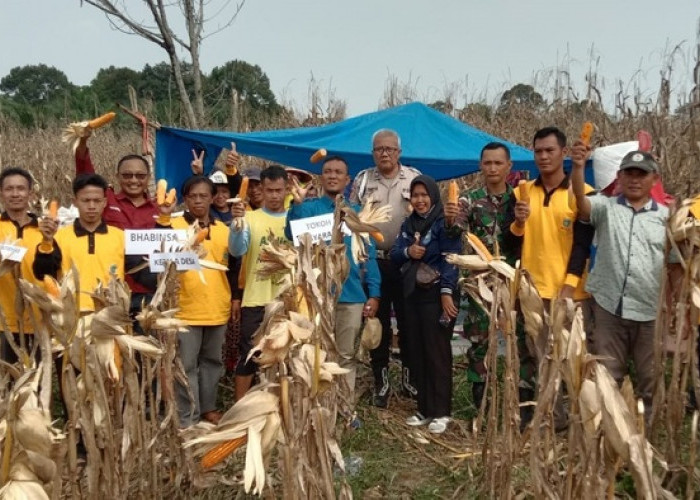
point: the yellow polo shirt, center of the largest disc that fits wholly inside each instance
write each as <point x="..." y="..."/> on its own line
<point x="549" y="237"/>
<point x="29" y="237"/>
<point x="206" y="304"/>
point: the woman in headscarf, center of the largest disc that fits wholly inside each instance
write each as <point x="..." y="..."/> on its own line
<point x="430" y="291"/>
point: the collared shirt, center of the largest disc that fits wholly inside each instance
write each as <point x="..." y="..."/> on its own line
<point x="626" y="280"/>
<point x="358" y="275"/>
<point x="29" y="237"/>
<point x="549" y="238"/>
<point x="96" y="255"/>
<point x="120" y="211"/>
<point x="395" y="192"/>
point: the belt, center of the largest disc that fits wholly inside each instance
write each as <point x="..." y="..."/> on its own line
<point x="383" y="254"/>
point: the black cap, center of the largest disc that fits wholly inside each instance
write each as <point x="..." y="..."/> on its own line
<point x="639" y="159"/>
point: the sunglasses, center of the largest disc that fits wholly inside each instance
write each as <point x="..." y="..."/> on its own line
<point x="131" y="175"/>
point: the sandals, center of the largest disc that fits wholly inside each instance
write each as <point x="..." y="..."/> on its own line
<point x="417" y="420"/>
<point x="439" y="425"/>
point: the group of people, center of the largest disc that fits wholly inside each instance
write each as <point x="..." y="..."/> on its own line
<point x="405" y="274"/>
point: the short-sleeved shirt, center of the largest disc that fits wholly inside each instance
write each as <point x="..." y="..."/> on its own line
<point x="29" y="237"/>
<point x="626" y="280"/>
<point x="395" y="192"/>
<point x="549" y="237"/>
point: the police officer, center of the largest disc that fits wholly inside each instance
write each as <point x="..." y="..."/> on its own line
<point x="389" y="183"/>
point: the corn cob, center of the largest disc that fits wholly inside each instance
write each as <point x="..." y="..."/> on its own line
<point x="53" y="209"/>
<point x="217" y="454"/>
<point x="524" y="189"/>
<point x="161" y="187"/>
<point x="171" y="197"/>
<point x="51" y="286"/>
<point x="586" y="133"/>
<point x="479" y="247"/>
<point x="232" y="169"/>
<point x="201" y="236"/>
<point x="319" y="155"/>
<point x="377" y="235"/>
<point x="452" y="192"/>
<point x="102" y="120"/>
<point x="243" y="191"/>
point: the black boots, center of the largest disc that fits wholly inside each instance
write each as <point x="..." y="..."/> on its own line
<point x="382" y="389"/>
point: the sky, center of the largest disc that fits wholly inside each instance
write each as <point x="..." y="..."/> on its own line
<point x="472" y="49"/>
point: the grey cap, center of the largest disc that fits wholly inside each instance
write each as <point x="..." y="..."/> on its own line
<point x="253" y="173"/>
<point x="639" y="159"/>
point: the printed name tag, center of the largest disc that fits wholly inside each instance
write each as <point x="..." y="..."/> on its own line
<point x="184" y="261"/>
<point x="147" y="241"/>
<point x="320" y="227"/>
<point x="12" y="252"/>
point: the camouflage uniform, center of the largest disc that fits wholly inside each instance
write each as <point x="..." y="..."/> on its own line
<point x="489" y="217"/>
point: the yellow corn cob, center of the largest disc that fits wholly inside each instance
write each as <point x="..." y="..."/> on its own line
<point x="201" y="236"/>
<point x="171" y="197"/>
<point x="102" y="120"/>
<point x="377" y="235"/>
<point x="161" y="187"/>
<point x="524" y="189"/>
<point x="53" y="209"/>
<point x="452" y="192"/>
<point x="51" y="286"/>
<point x="319" y="155"/>
<point x="586" y="133"/>
<point x="479" y="247"/>
<point x="243" y="191"/>
<point x="219" y="452"/>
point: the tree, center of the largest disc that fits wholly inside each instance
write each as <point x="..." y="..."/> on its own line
<point x="170" y="40"/>
<point x="111" y="85"/>
<point x="35" y="84"/>
<point x="522" y="94"/>
<point x="251" y="84"/>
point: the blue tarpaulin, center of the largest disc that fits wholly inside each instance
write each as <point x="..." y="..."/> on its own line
<point x="437" y="144"/>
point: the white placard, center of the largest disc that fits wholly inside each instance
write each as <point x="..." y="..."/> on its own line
<point x="320" y="227"/>
<point x="147" y="241"/>
<point x="12" y="252"/>
<point x="184" y="261"/>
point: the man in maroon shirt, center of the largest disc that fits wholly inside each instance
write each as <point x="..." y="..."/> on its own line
<point x="130" y="208"/>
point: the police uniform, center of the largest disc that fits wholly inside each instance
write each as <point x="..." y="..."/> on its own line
<point x="396" y="192"/>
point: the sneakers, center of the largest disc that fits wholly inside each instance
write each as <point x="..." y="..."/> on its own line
<point x="417" y="420"/>
<point x="439" y="425"/>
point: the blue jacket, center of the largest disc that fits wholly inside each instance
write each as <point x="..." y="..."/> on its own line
<point x="366" y="273"/>
<point x="437" y="242"/>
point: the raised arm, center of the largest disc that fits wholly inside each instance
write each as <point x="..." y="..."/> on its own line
<point x="83" y="163"/>
<point x="579" y="155"/>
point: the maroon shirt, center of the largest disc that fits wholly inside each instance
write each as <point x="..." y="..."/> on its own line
<point x="122" y="213"/>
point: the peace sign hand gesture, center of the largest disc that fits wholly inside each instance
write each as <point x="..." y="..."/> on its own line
<point x="197" y="163"/>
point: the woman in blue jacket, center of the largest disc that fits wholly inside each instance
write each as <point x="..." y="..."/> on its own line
<point x="430" y="291"/>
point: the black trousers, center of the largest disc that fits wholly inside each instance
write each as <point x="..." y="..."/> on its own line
<point x="431" y="352"/>
<point x="392" y="295"/>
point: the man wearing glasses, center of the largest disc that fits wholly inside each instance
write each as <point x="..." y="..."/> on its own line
<point x="388" y="182"/>
<point x="130" y="208"/>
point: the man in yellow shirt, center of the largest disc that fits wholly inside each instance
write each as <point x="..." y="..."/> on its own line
<point x="17" y="223"/>
<point x="247" y="241"/>
<point x="548" y="235"/>
<point x="96" y="249"/>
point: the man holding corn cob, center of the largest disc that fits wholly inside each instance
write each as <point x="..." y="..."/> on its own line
<point x="626" y="280"/>
<point x="353" y="303"/>
<point x="389" y="183"/>
<point x="20" y="227"/>
<point x="247" y="239"/>
<point x="494" y="215"/>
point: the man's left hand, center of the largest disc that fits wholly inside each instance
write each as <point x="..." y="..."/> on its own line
<point x="522" y="212"/>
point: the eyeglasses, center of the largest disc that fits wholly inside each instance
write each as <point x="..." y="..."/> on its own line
<point x="385" y="149"/>
<point x="132" y="175"/>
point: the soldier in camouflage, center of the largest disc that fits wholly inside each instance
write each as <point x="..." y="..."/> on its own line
<point x="494" y="215"/>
